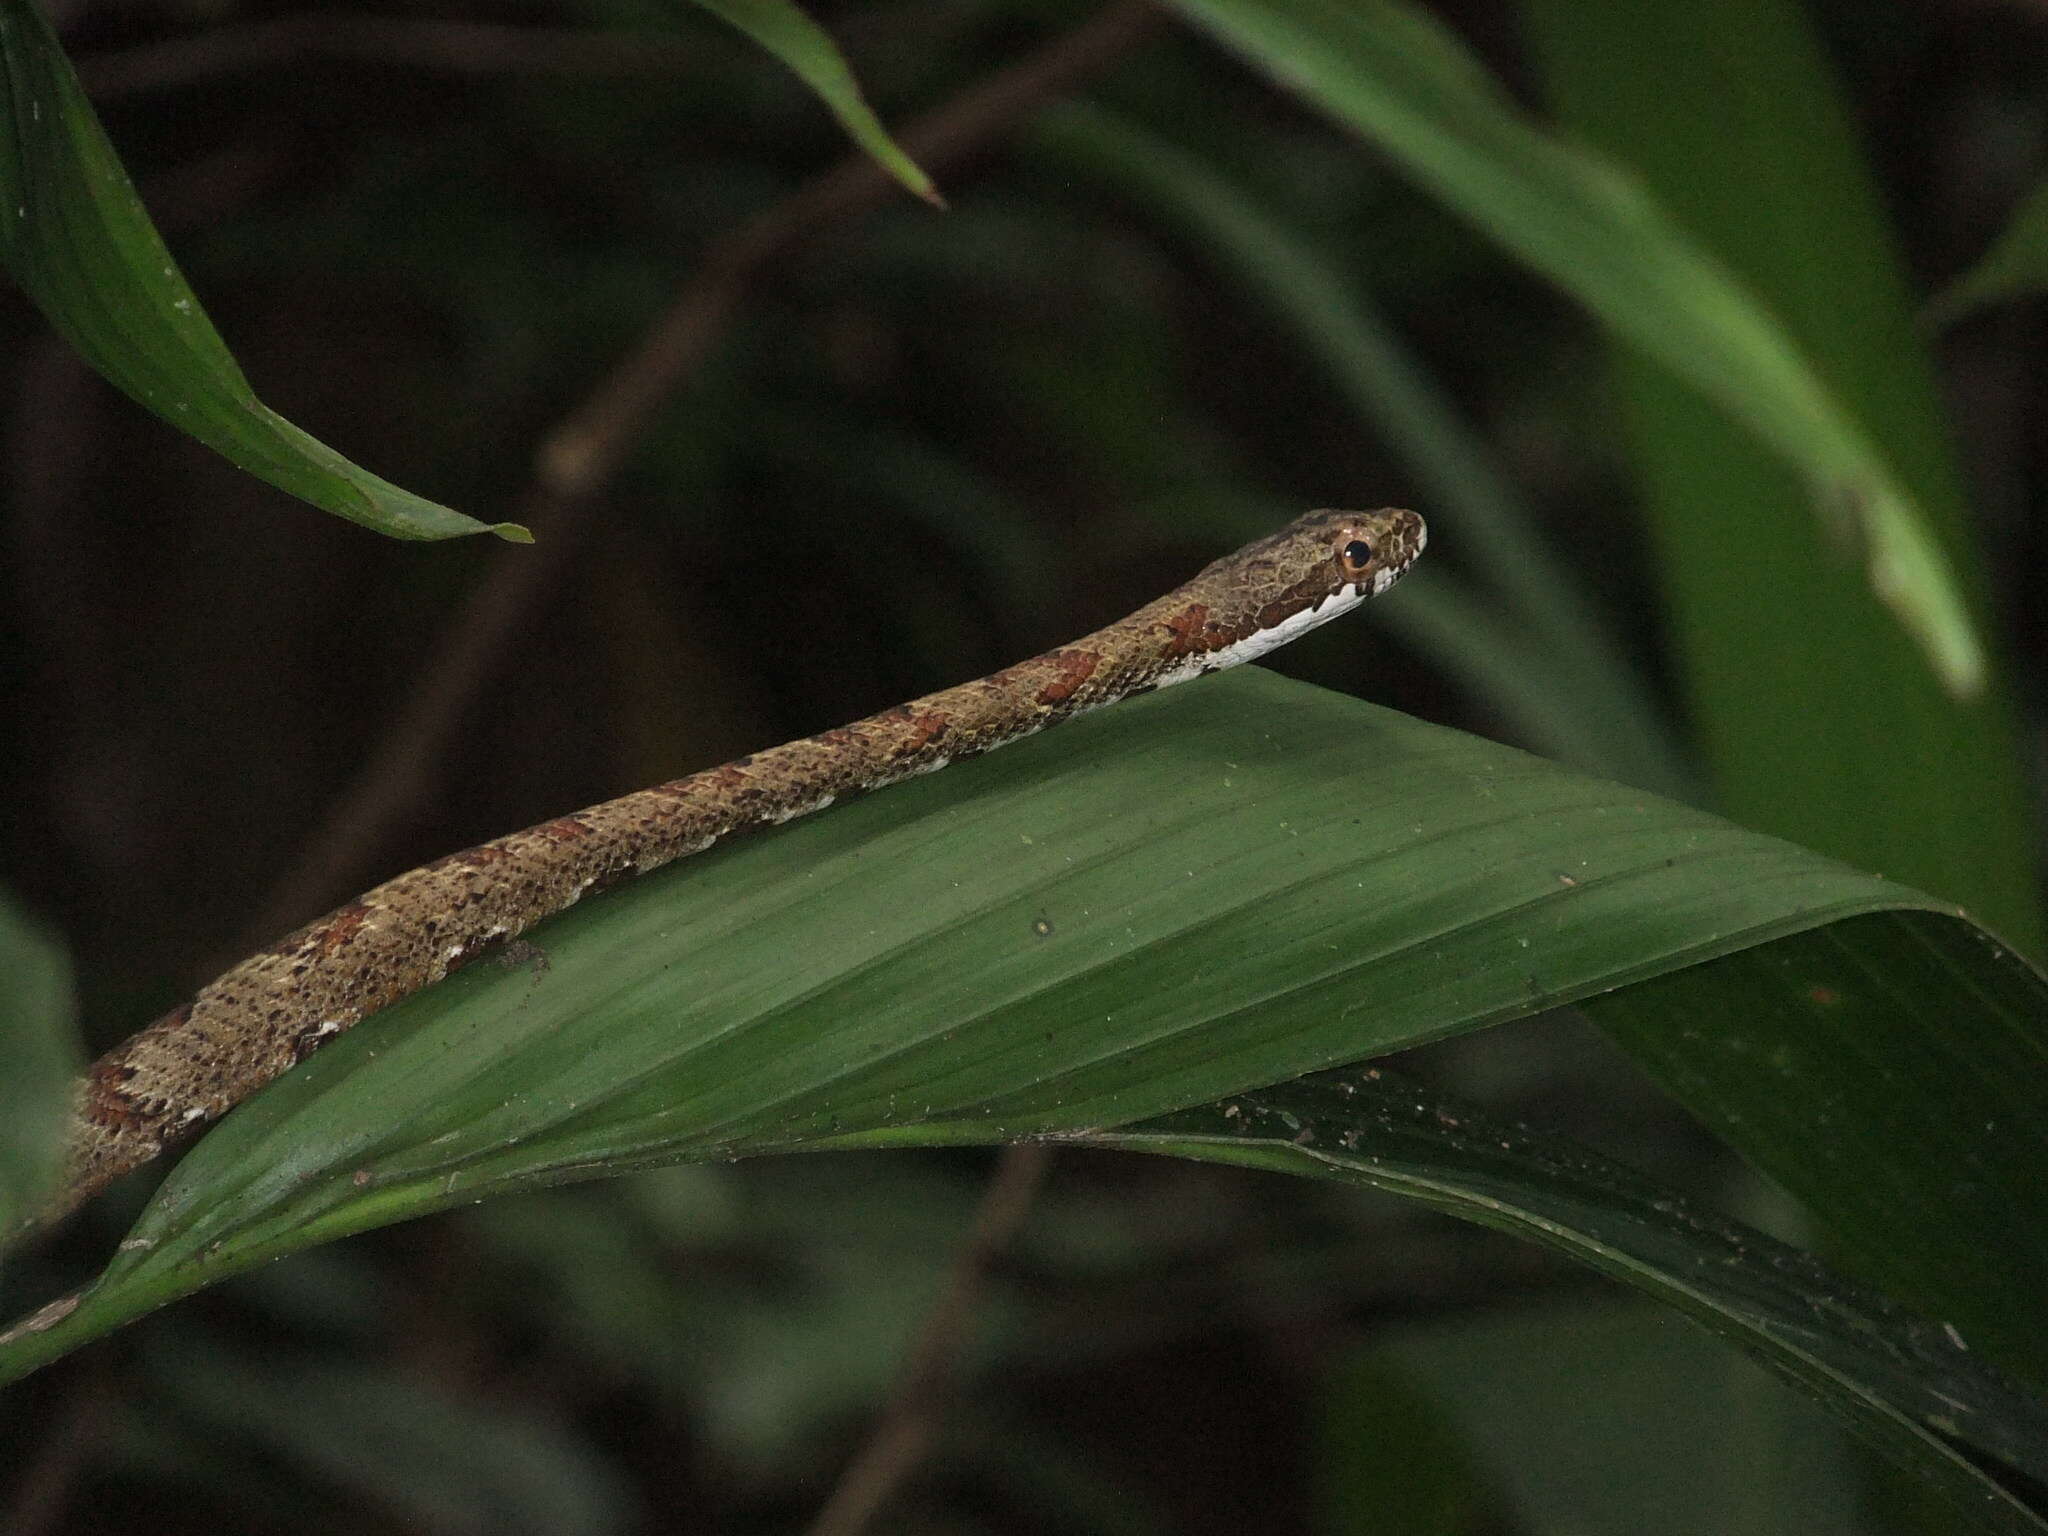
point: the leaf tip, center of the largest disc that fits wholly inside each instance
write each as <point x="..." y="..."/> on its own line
<point x="1965" y="675"/>
<point x="513" y="533"/>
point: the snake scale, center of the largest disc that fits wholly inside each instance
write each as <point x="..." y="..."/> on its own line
<point x="275" y="1008"/>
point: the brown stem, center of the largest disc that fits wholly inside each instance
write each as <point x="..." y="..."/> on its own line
<point x="575" y="461"/>
<point x="909" y="1424"/>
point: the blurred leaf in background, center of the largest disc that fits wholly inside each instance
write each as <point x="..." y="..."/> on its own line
<point x="2015" y="267"/>
<point x="799" y="42"/>
<point x="1820" y="723"/>
<point x="1643" y="1405"/>
<point x="39" y="1057"/>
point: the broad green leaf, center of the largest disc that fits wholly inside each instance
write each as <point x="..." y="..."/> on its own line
<point x="1907" y="1385"/>
<point x="39" y="1058"/>
<point x="1817" y="716"/>
<point x="785" y="31"/>
<point x="76" y="238"/>
<point x="1395" y="75"/>
<point x="1192" y="894"/>
<point x="2014" y="267"/>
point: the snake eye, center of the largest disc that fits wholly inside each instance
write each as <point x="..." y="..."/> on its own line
<point x="1355" y="557"/>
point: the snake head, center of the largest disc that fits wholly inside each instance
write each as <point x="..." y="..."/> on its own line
<point x="1318" y="566"/>
<point x="1353" y="554"/>
<point x="1281" y="586"/>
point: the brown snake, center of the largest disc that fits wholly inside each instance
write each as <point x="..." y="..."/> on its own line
<point x="278" y="1006"/>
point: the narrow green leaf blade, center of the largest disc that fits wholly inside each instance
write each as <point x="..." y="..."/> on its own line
<point x="1904" y="1383"/>
<point x="1395" y="75"/>
<point x="1818" y="717"/>
<point x="1223" y="886"/>
<point x="79" y="242"/>
<point x="784" y="30"/>
<point x="2014" y="267"/>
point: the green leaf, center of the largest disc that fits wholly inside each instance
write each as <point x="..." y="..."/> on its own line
<point x="1192" y="894"/>
<point x="39" y="1058"/>
<point x="1888" y="1070"/>
<point x="785" y="31"/>
<point x="1396" y="76"/>
<point x="2014" y="267"/>
<point x="76" y="237"/>
<point x="1818" y="717"/>
<point x="1907" y="1385"/>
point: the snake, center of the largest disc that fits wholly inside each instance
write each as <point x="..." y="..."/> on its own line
<point x="269" y="1012"/>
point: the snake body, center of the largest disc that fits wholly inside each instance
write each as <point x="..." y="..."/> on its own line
<point x="278" y="1006"/>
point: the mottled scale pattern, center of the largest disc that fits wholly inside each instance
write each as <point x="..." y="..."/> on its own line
<point x="272" y="1010"/>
